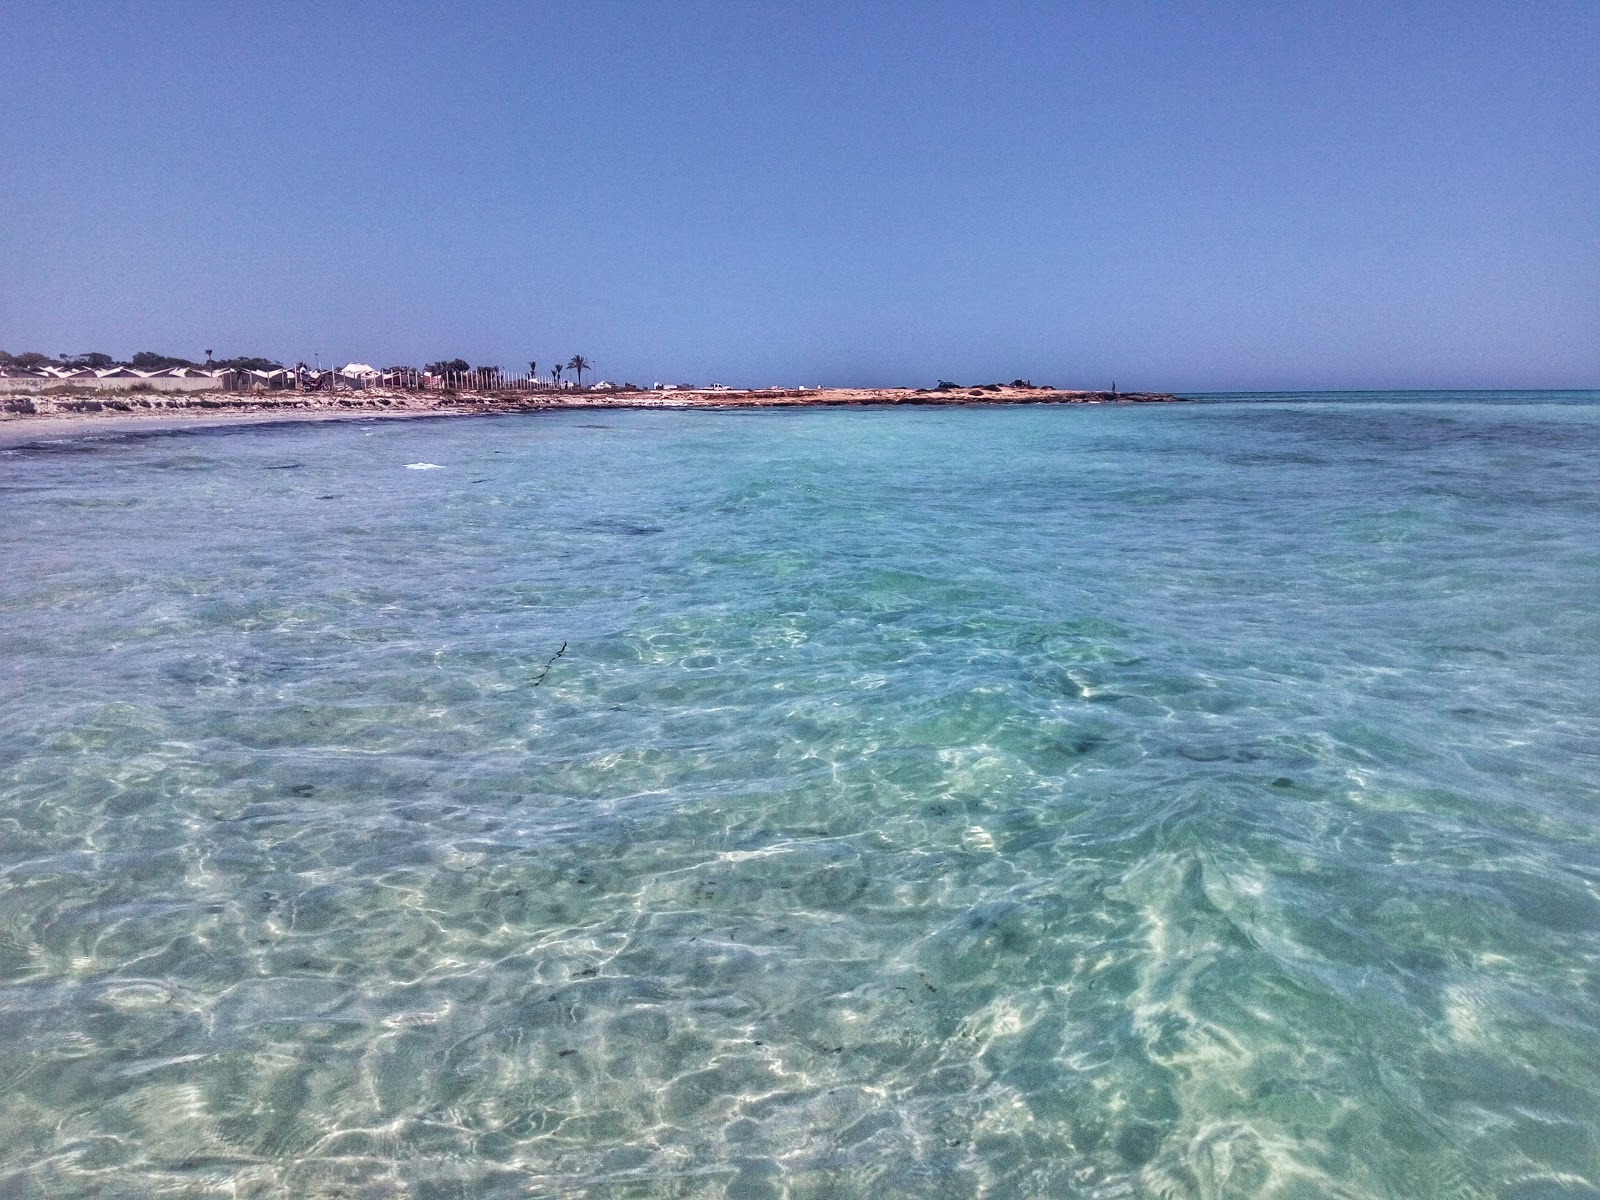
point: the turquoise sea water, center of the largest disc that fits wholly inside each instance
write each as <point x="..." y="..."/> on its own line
<point x="1175" y="801"/>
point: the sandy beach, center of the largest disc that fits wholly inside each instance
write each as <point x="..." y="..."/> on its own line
<point x="67" y="415"/>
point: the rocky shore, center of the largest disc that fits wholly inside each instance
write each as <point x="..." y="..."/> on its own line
<point x="50" y="411"/>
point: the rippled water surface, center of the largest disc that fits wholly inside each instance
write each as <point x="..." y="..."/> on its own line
<point x="1179" y="801"/>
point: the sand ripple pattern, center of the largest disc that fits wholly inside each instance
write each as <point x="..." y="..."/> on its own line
<point x="1182" y="802"/>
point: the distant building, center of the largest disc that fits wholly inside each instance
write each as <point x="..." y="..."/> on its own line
<point x="109" y="379"/>
<point x="360" y="375"/>
<point x="237" y="379"/>
<point x="180" y="373"/>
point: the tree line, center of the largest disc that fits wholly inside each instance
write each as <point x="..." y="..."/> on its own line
<point x="577" y="364"/>
<point x="149" y="360"/>
<point x="145" y="360"/>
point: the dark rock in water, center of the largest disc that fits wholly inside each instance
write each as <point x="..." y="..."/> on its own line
<point x="1211" y="754"/>
<point x="1282" y="781"/>
<point x="624" y="527"/>
<point x="1138" y="1142"/>
<point x="302" y="789"/>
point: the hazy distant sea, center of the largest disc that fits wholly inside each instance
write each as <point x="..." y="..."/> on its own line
<point x="1183" y="801"/>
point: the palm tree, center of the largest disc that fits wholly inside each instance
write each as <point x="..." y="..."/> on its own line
<point x="580" y="364"/>
<point x="555" y="373"/>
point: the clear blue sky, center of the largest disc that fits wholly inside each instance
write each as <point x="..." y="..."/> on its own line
<point x="1179" y="196"/>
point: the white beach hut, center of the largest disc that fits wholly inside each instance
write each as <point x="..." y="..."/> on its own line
<point x="360" y="375"/>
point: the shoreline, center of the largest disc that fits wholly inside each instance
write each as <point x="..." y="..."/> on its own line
<point x="66" y="415"/>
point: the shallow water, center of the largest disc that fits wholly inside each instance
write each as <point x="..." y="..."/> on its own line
<point x="1165" y="801"/>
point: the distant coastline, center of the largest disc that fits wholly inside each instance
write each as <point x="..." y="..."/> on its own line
<point x="57" y="412"/>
